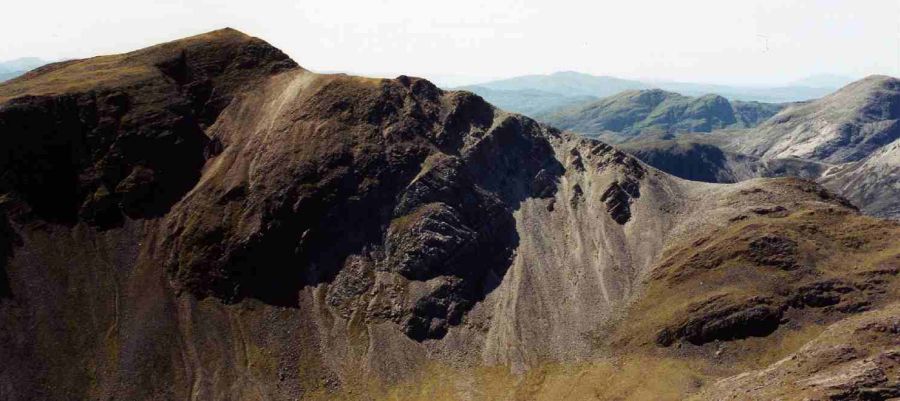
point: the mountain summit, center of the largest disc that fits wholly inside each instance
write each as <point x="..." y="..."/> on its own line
<point x="842" y="127"/>
<point x="847" y="141"/>
<point x="206" y="219"/>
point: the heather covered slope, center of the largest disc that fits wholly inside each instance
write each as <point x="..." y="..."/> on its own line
<point x="211" y="221"/>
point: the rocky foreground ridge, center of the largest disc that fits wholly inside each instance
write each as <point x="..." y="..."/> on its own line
<point x="205" y="219"/>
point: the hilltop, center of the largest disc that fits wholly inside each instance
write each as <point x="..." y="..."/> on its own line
<point x="655" y="111"/>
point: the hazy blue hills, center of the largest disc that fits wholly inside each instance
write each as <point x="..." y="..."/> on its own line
<point x="9" y="75"/>
<point x="13" y="68"/>
<point x="531" y="102"/>
<point x="774" y="94"/>
<point x="567" y="83"/>
<point x="541" y="94"/>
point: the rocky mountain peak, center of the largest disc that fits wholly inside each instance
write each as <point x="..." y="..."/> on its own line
<point x="128" y="134"/>
<point x="205" y="219"/>
<point x="842" y="127"/>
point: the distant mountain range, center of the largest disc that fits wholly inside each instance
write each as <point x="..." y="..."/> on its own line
<point x="13" y="68"/>
<point x="531" y="102"/>
<point x="541" y="94"/>
<point x="567" y="83"/>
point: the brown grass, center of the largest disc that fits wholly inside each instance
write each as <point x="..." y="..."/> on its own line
<point x="104" y="72"/>
<point x="634" y="378"/>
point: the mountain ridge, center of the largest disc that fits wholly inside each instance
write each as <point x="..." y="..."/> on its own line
<point x="849" y="127"/>
<point x="572" y="85"/>
<point x="846" y="140"/>
<point x="224" y="224"/>
<point x="654" y="111"/>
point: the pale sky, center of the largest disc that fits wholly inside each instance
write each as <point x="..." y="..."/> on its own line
<point x="715" y="41"/>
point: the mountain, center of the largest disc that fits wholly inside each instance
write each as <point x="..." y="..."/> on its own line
<point x="848" y="141"/>
<point x="206" y="219"/>
<point x="534" y="95"/>
<point x="845" y="126"/>
<point x="5" y="76"/>
<point x="529" y="101"/>
<point x="21" y="64"/>
<point x="696" y="160"/>
<point x="856" y="130"/>
<point x="656" y="111"/>
<point x="765" y="94"/>
<point x="13" y="68"/>
<point x="567" y="83"/>
<point x="873" y="183"/>
<point x="577" y="85"/>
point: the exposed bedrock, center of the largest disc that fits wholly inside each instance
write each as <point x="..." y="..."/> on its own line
<point x="396" y="176"/>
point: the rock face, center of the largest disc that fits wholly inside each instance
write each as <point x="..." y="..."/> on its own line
<point x="872" y="183"/>
<point x="205" y="219"/>
<point x="397" y="176"/>
<point x="655" y="111"/>
<point x="848" y="125"/>
<point x="708" y="162"/>
<point x="708" y="322"/>
<point x="855" y="130"/>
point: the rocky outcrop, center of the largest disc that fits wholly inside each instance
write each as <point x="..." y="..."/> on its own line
<point x="775" y="251"/>
<point x="854" y="360"/>
<point x="713" y="320"/>
<point x="762" y="281"/>
<point x="405" y="180"/>
<point x="618" y="198"/>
